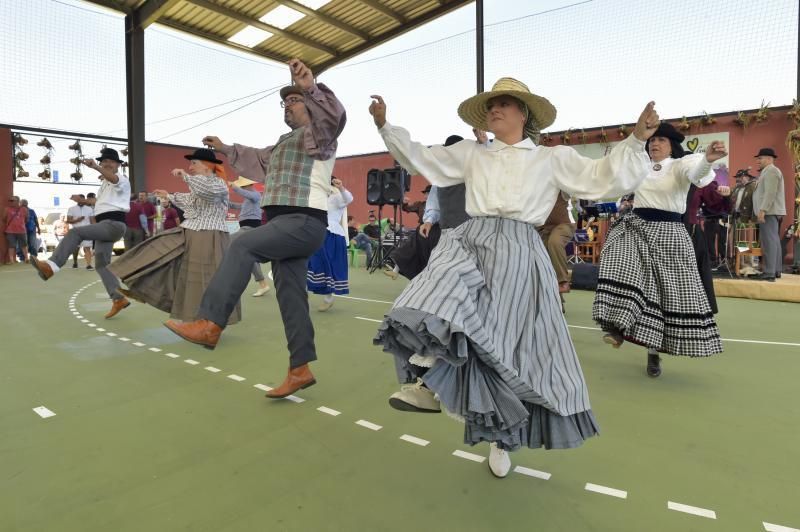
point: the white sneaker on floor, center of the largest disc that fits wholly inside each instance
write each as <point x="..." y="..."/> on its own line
<point x="261" y="291"/>
<point x="415" y="398"/>
<point x="499" y="461"/>
<point x="325" y="306"/>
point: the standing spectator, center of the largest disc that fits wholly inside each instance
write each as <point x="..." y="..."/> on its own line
<point x="796" y="226"/>
<point x="715" y="206"/>
<point x="80" y="215"/>
<point x="770" y="205"/>
<point x="249" y="218"/>
<point x="136" y="225"/>
<point x="60" y="227"/>
<point x="170" y="215"/>
<point x="149" y="211"/>
<point x="556" y="233"/>
<point x="32" y="229"/>
<point x="15" y="218"/>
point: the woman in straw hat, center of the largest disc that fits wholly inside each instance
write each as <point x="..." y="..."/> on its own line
<point x="649" y="291"/>
<point x="249" y="218"/>
<point x="487" y="305"/>
<point x="171" y="270"/>
<point x="327" y="268"/>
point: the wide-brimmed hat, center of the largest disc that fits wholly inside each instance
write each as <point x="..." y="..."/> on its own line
<point x="243" y="182"/>
<point x="473" y="110"/>
<point x="203" y="154"/>
<point x="291" y="89"/>
<point x="668" y="131"/>
<point x="109" y="154"/>
<point x="768" y="152"/>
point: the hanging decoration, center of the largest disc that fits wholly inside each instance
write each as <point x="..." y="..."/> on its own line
<point x="19" y="155"/>
<point x="583" y="138"/>
<point x="76" y="147"/>
<point x="545" y="138"/>
<point x="742" y="118"/>
<point x="624" y="131"/>
<point x="762" y="115"/>
<point x="46" y="174"/>
<point x="566" y="136"/>
<point x="603" y="135"/>
<point x="707" y="119"/>
<point x="683" y="124"/>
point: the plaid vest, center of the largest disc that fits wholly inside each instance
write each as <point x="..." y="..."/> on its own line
<point x="288" y="180"/>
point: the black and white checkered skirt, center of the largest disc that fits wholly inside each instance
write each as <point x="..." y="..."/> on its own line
<point x="649" y="289"/>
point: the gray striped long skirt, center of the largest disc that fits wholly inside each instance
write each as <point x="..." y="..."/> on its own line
<point x="649" y="289"/>
<point x="487" y="307"/>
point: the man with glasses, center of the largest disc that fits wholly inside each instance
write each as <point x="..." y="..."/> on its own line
<point x="296" y="173"/>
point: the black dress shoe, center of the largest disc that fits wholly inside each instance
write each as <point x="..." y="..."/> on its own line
<point x="778" y="275"/>
<point x="762" y="277"/>
<point x="653" y="365"/>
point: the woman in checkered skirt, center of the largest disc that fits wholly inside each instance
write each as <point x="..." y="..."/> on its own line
<point x="485" y="312"/>
<point x="649" y="290"/>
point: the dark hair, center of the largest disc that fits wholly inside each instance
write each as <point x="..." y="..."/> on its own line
<point x="349" y="218"/>
<point x="675" y="147"/>
<point x="91" y="195"/>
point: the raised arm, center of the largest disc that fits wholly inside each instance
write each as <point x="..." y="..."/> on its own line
<point x="696" y="168"/>
<point x="251" y="163"/>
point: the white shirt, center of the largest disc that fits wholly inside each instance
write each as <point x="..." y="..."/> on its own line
<point x="76" y="211"/>
<point x="337" y="203"/>
<point x="522" y="181"/>
<point x="113" y="196"/>
<point x="666" y="189"/>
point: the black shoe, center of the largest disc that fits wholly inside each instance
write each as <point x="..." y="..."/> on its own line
<point x="795" y="271"/>
<point x="764" y="277"/>
<point x="778" y="275"/>
<point x="653" y="365"/>
<point x="74" y="264"/>
<point x="89" y="267"/>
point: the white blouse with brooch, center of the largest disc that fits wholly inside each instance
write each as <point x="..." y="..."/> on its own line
<point x="668" y="182"/>
<point x="520" y="182"/>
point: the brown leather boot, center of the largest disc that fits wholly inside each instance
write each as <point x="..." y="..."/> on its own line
<point x="298" y="378"/>
<point x="118" y="305"/>
<point x="200" y="332"/>
<point x="43" y="269"/>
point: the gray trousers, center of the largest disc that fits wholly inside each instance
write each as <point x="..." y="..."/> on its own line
<point x="258" y="275"/>
<point x="287" y="242"/>
<point x="104" y="234"/>
<point x="769" y="232"/>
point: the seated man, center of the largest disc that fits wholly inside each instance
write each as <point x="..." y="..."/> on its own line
<point x="367" y="239"/>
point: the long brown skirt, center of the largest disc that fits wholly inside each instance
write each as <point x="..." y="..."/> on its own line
<point x="172" y="270"/>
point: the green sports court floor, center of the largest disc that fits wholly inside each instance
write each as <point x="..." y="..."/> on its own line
<point x="147" y="436"/>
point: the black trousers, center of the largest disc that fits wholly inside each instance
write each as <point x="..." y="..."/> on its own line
<point x="412" y="255"/>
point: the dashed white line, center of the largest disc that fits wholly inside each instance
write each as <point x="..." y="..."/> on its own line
<point x="100" y="329"/>
<point x="44" y="412"/>
<point x="84" y="321"/>
<point x="532" y="472"/>
<point x="237" y="378"/>
<point x="413" y="439"/>
<point x="212" y="369"/>
<point x="605" y="490"/>
<point x="123" y="339"/>
<point x="694" y="510"/>
<point x="469" y="456"/>
<point x="112" y="335"/>
<point x="172" y="355"/>
<point x="192" y="362"/>
<point x="295" y="399"/>
<point x="262" y="387"/>
<point x="368" y="425"/>
<point x="769" y="527"/>
<point x="155" y="349"/>
<point x="139" y="344"/>
<point x="329" y="411"/>
<point x="91" y="325"/>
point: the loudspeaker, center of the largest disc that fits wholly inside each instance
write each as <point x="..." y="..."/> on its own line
<point x="385" y="187"/>
<point x="584" y="276"/>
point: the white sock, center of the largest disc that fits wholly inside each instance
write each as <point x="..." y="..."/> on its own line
<point x="396" y="269"/>
<point x="328" y="298"/>
<point x="53" y="266"/>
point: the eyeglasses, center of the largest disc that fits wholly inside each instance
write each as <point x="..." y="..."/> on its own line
<point x="288" y="102"/>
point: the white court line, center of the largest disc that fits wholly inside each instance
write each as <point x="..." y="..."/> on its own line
<point x="139" y="344"/>
<point x="469" y="456"/>
<point x="606" y="490"/>
<point x="172" y="355"/>
<point x="123" y="339"/>
<point x="694" y="510"/>
<point x="532" y="472"/>
<point x="91" y="325"/>
<point x="368" y="300"/>
<point x="112" y="335"/>
<point x="413" y="439"/>
<point x="295" y="399"/>
<point x="212" y="369"/>
<point x="368" y="319"/>
<point x="329" y="411"/>
<point x="85" y="321"/>
<point x="237" y="378"/>
<point x="769" y="527"/>
<point x="100" y="329"/>
<point x="262" y="387"/>
<point x="368" y="425"/>
<point x="155" y="349"/>
<point x="44" y="412"/>
<point x="191" y="362"/>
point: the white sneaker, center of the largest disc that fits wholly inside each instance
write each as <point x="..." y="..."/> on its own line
<point x="499" y="461"/>
<point x="325" y="306"/>
<point x="261" y="291"/>
<point x="415" y="398"/>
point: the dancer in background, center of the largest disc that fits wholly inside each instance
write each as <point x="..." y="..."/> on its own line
<point x="487" y="306"/>
<point x="249" y="218"/>
<point x="649" y="290"/>
<point x="327" y="268"/>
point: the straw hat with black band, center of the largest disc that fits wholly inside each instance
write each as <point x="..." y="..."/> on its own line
<point x="242" y="182"/>
<point x="539" y="111"/>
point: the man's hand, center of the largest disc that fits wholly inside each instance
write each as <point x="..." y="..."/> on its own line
<point x="724" y="190"/>
<point x="647" y="123"/>
<point x="762" y="217"/>
<point x="337" y="183"/>
<point x="378" y="110"/>
<point x="91" y="163"/>
<point x="179" y="172"/>
<point x="715" y="151"/>
<point x="301" y="74"/>
<point x="213" y="142"/>
<point x="425" y="229"/>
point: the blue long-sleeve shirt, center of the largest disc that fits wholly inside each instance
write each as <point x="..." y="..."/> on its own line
<point x="250" y="208"/>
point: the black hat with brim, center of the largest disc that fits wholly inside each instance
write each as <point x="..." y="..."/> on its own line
<point x="109" y="154"/>
<point x="203" y="154"/>
<point x="769" y="152"/>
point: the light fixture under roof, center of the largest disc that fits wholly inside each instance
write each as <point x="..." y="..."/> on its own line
<point x="282" y="17"/>
<point x="313" y="4"/>
<point x="250" y="36"/>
